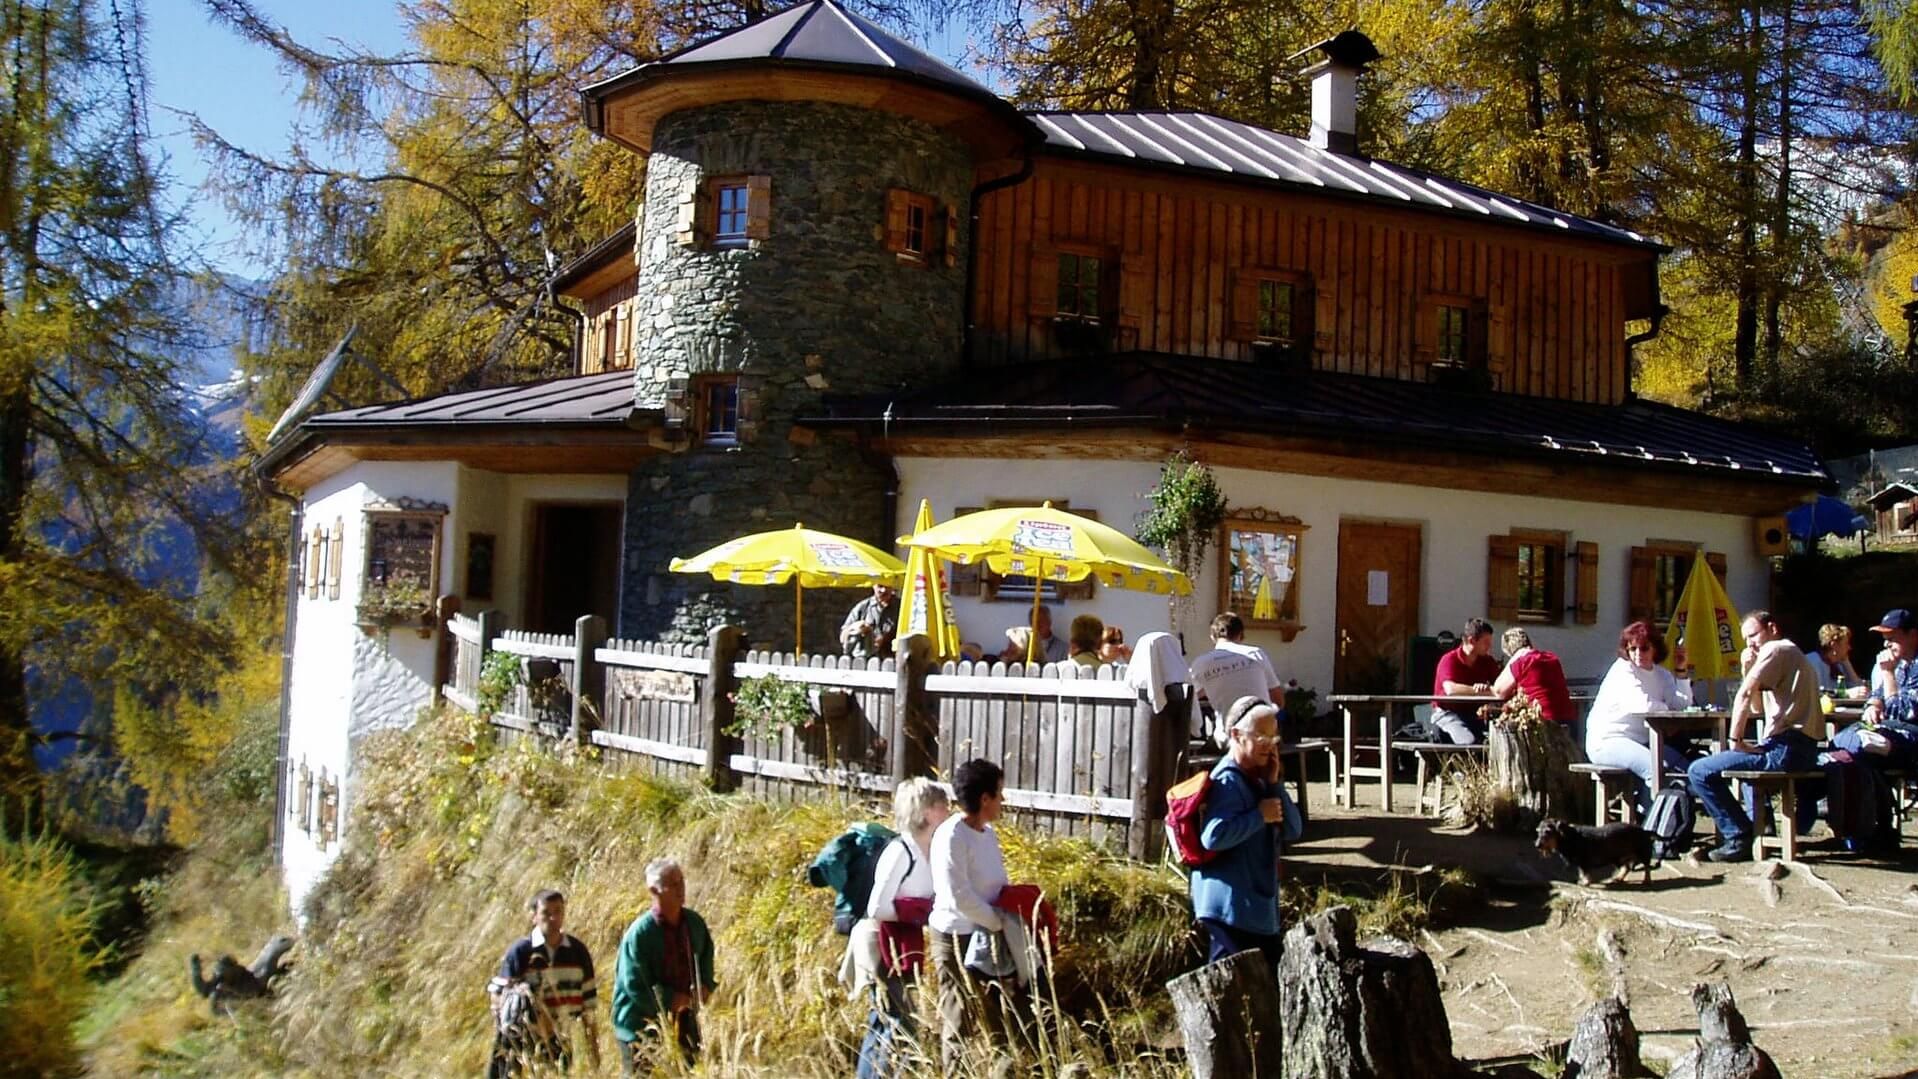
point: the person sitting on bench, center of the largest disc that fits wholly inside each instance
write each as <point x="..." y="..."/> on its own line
<point x="1615" y="734"/>
<point x="1467" y="670"/>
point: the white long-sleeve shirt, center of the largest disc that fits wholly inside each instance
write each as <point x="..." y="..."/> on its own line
<point x="903" y="870"/>
<point x="1627" y="693"/>
<point x="968" y="872"/>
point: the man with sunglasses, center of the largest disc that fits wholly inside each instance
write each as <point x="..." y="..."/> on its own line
<point x="1235" y="896"/>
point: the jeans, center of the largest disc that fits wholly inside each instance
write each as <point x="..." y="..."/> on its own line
<point x="1904" y="749"/>
<point x="1636" y="756"/>
<point x="1791" y="751"/>
<point x="1225" y="940"/>
<point x="1459" y="730"/>
<point x="891" y="1018"/>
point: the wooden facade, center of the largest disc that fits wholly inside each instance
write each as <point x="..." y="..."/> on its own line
<point x="1551" y="312"/>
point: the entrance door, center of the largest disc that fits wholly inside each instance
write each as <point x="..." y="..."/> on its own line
<point x="573" y="569"/>
<point x="1378" y="608"/>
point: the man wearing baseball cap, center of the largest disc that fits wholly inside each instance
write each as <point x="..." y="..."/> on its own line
<point x="1893" y="708"/>
<point x="1235" y="896"/>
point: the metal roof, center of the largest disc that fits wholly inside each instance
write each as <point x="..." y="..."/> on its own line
<point x="603" y="399"/>
<point x="816" y="32"/>
<point x="1156" y="390"/>
<point x="1205" y="143"/>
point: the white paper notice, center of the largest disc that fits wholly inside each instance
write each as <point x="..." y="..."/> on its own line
<point x="1377" y="587"/>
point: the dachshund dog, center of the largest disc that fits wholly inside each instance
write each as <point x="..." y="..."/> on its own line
<point x="1599" y="854"/>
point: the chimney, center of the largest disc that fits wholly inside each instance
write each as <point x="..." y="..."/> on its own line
<point x="1335" y="89"/>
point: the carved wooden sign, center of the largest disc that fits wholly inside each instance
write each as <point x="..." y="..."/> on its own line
<point x="655" y="686"/>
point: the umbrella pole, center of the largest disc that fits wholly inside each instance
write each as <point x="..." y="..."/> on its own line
<point x="799" y="617"/>
<point x="1032" y="622"/>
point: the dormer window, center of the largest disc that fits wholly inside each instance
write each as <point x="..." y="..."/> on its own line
<point x="1078" y="287"/>
<point x="729" y="216"/>
<point x="1452" y="334"/>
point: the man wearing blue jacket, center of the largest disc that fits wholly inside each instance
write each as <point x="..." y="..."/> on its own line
<point x="1235" y="896"/>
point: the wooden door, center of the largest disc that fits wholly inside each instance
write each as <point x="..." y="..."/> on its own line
<point x="574" y="565"/>
<point x="1378" y="606"/>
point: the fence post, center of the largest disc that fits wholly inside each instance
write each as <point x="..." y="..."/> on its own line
<point x="1152" y="768"/>
<point x="444" y="610"/>
<point x="914" y="728"/>
<point x="491" y="625"/>
<point x="716" y="704"/>
<point x="589" y="678"/>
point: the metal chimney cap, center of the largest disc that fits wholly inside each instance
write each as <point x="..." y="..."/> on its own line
<point x="1349" y="48"/>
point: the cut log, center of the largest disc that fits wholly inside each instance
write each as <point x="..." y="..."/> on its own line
<point x="1229" y="1016"/>
<point x="1725" y="1049"/>
<point x="1534" y="762"/>
<point x="1353" y="1011"/>
<point x="1604" y="1044"/>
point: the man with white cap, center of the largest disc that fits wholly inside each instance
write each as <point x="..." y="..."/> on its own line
<point x="1235" y="896"/>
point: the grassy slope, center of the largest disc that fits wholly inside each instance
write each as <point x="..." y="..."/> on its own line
<point x="451" y="835"/>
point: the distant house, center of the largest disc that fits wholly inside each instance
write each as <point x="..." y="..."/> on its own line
<point x="857" y="278"/>
<point x="1895" y="509"/>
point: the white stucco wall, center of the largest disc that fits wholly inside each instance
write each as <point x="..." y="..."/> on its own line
<point x="503" y="505"/>
<point x="1454" y="525"/>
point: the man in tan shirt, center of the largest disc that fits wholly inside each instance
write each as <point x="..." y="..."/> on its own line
<point x="1780" y="690"/>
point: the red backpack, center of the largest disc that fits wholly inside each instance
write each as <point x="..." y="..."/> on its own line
<point x="1185" y="819"/>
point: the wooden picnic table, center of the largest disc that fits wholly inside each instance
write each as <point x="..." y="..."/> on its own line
<point x="1349" y="702"/>
<point x="1691" y="721"/>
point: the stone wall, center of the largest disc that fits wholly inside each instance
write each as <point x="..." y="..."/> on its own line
<point x="819" y="306"/>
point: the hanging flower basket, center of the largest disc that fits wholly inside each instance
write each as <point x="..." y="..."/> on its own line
<point x="400" y="600"/>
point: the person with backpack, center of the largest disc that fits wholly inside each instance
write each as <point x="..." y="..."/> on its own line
<point x="846" y="865"/>
<point x="1235" y="892"/>
<point x="545" y="981"/>
<point x="901" y="902"/>
<point x="665" y="972"/>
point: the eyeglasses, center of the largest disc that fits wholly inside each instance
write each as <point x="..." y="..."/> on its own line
<point x="1259" y="739"/>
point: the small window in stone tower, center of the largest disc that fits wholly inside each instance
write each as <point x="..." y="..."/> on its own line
<point x="1451" y="333"/>
<point x="729" y="220"/>
<point x="719" y="411"/>
<point x="1078" y="286"/>
<point x="916" y="219"/>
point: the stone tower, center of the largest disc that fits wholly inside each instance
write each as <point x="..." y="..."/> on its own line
<point x="804" y="233"/>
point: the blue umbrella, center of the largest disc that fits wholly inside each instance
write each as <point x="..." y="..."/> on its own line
<point x="1826" y="517"/>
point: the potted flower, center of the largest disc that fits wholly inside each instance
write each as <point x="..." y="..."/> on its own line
<point x="399" y="599"/>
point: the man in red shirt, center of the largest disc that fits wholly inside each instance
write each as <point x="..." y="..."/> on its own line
<point x="1466" y="670"/>
<point x="1537" y="673"/>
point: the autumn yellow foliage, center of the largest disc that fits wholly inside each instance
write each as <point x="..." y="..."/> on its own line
<point x="47" y="955"/>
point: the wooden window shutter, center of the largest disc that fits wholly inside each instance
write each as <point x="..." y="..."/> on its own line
<point x="1305" y="316"/>
<point x="1477" y="332"/>
<point x="1586" y="582"/>
<point x="1135" y="292"/>
<point x="1638" y="597"/>
<point x="1425" y="332"/>
<point x="1501" y="578"/>
<point x="1243" y="322"/>
<point x="1042" y="296"/>
<point x="897" y="200"/>
<point x="315" y="545"/>
<point x="949" y="248"/>
<point x="759" y="207"/>
<point x="695" y="216"/>
<point x="335" y="557"/>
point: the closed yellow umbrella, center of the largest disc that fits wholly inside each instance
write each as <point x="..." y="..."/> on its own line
<point x="807" y="558"/>
<point x="923" y="608"/>
<point x="1050" y="544"/>
<point x="1707" y="625"/>
<point x="1262" y="606"/>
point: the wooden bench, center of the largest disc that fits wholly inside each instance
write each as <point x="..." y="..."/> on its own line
<point x="1611" y="785"/>
<point x="1435" y="759"/>
<point x="1302" y="750"/>
<point x="1763" y="786"/>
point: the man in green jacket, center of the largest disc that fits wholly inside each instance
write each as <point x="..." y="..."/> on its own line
<point x="665" y="970"/>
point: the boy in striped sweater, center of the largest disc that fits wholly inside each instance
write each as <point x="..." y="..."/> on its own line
<point x="545" y="984"/>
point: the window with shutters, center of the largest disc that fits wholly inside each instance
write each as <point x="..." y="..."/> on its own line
<point x="1079" y="287"/>
<point x="1526" y="574"/>
<point x="1275" y="311"/>
<point x="719" y="409"/>
<point x="729" y="213"/>
<point x="1452" y="336"/>
<point x="917" y="214"/>
<point x="1540" y="578"/>
<point x="912" y="225"/>
<point x="609" y="341"/>
<point x="1658" y="574"/>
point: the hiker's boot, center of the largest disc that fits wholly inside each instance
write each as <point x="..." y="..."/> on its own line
<point x="1732" y="850"/>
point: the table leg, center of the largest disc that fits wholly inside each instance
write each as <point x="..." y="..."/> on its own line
<point x="1658" y="759"/>
<point x="1786" y="823"/>
<point x="1385" y="760"/>
<point x="1419" y="803"/>
<point x="1351" y="729"/>
<point x="1299" y="781"/>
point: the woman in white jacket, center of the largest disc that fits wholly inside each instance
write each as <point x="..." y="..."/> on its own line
<point x="1615" y="734"/>
<point x="919" y="807"/>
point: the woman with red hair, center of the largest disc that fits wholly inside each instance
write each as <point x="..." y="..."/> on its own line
<point x="1615" y="733"/>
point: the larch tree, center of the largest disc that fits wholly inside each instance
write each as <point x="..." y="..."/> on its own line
<point x="102" y="454"/>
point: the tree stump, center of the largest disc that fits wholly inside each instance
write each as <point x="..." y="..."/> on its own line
<point x="1370" y="1011"/>
<point x="1604" y="1044"/>
<point x="1229" y="1016"/>
<point x="1534" y="762"/>
<point x="1725" y="1049"/>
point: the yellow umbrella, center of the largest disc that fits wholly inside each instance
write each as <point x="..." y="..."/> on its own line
<point x="1262" y="606"/>
<point x="923" y="609"/>
<point x="807" y="558"/>
<point x="1707" y="625"/>
<point x="1047" y="544"/>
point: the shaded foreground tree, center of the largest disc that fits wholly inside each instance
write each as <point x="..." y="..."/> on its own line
<point x="103" y="462"/>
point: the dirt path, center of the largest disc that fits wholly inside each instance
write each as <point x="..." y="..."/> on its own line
<point x="1823" y="960"/>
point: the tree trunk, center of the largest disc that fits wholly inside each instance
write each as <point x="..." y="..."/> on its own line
<point x="1352" y="1012"/>
<point x="1745" y="329"/>
<point x="1604" y="1044"/>
<point x="19" y="777"/>
<point x="1229" y="1016"/>
<point x="1533" y="761"/>
<point x="1725" y="1049"/>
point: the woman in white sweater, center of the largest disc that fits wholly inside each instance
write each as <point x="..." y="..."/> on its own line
<point x="901" y="893"/>
<point x="968" y="872"/>
<point x="1615" y="733"/>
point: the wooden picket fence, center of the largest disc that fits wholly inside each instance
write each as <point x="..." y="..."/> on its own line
<point x="1083" y="755"/>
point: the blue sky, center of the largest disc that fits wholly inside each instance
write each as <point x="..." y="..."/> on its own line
<point x="240" y="91"/>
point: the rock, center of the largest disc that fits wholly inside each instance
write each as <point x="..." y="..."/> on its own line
<point x="1604" y="1044"/>
<point x="1725" y="1049"/>
<point x="1768" y="891"/>
<point x="1352" y="1010"/>
<point x="1773" y="871"/>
